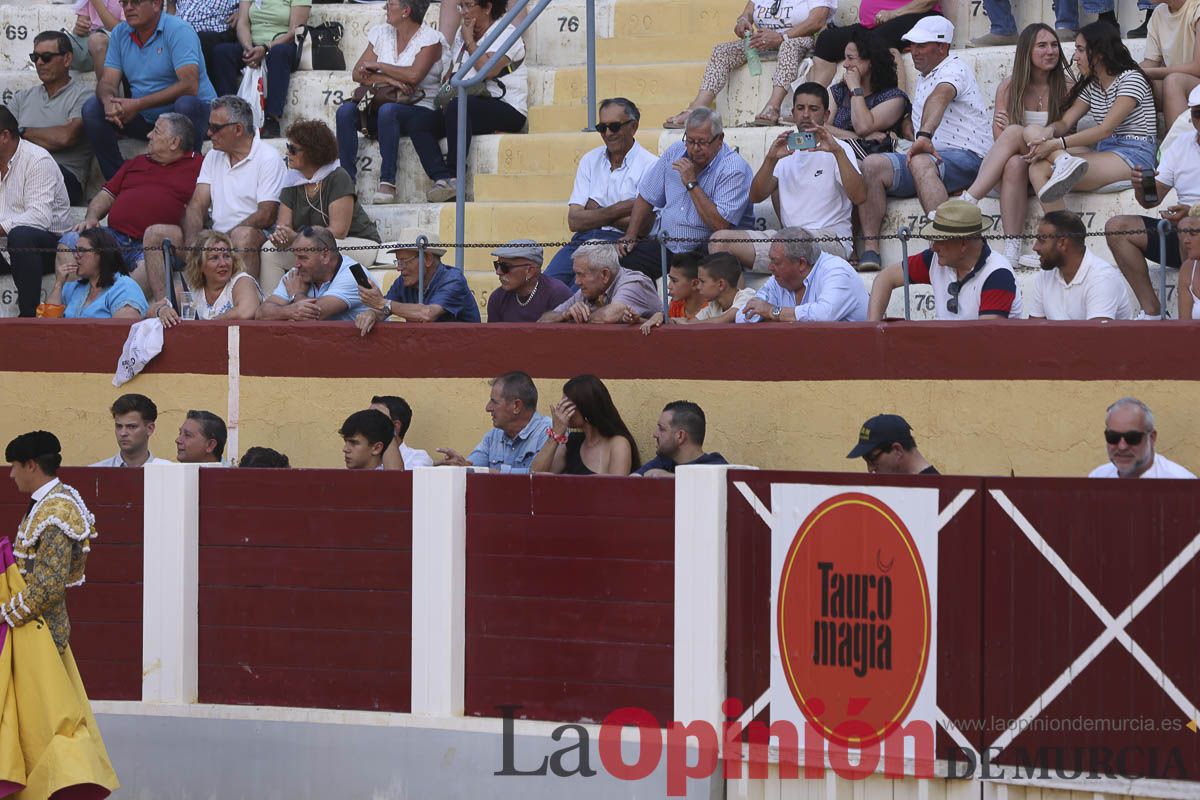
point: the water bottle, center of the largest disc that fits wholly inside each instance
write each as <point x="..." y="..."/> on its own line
<point x="752" y="59"/>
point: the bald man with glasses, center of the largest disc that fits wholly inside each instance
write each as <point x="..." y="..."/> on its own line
<point x="1130" y="436"/>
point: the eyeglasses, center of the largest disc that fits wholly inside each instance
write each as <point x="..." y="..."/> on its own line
<point x="700" y="142"/>
<point x="129" y="3"/>
<point x="218" y="128"/>
<point x="45" y="58"/>
<point x="79" y="251"/>
<point x="1132" y="438"/>
<point x="874" y="456"/>
<point x="955" y="287"/>
<point x="464" y="6"/>
<point x="292" y="149"/>
<point x="604" y="127"/>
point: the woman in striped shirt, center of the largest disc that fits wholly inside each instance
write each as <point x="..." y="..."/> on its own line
<point x="1116" y="94"/>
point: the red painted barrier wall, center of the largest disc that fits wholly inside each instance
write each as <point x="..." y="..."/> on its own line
<point x="106" y="612"/>
<point x="570" y="596"/>
<point x="1009" y="622"/>
<point x="305" y="588"/>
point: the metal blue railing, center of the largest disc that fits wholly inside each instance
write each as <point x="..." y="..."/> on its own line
<point x="462" y="83"/>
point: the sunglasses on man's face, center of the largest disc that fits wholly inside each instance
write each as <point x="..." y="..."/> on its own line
<point x="604" y="127"/>
<point x="501" y="266"/>
<point x="1132" y="438"/>
<point x="45" y="58"/>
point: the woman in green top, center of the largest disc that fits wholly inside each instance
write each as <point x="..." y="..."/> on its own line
<point x="266" y="31"/>
<point x="317" y="192"/>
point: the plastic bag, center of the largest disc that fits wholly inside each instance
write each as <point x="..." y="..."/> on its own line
<point x="144" y="342"/>
<point x="254" y="91"/>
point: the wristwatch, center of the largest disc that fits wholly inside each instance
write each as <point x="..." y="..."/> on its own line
<point x="926" y="134"/>
<point x="690" y="185"/>
<point x="776" y="311"/>
<point x="858" y="92"/>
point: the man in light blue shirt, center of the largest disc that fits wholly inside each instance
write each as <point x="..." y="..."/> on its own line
<point x="518" y="434"/>
<point x="698" y="186"/>
<point x="806" y="285"/>
<point x="160" y="56"/>
<point x="320" y="286"/>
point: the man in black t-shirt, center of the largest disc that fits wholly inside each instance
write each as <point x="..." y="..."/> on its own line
<point x="678" y="441"/>
<point x="886" y="443"/>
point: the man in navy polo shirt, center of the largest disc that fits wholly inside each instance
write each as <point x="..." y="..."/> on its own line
<point x="160" y="56"/>
<point x="447" y="296"/>
<point x="678" y="441"/>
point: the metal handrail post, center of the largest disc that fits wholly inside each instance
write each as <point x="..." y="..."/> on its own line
<point x="462" y="83"/>
<point x="422" y="243"/>
<point x="591" y="65"/>
<point x="903" y="235"/>
<point x="1164" y="227"/>
<point x="664" y="256"/>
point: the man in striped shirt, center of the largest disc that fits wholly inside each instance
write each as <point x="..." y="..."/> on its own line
<point x="34" y="211"/>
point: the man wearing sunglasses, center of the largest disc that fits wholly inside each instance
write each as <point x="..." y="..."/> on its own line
<point x="159" y="55"/>
<point x="886" y="444"/>
<point x="1130" y="437"/>
<point x="525" y="293"/>
<point x="969" y="280"/>
<point x="51" y="114"/>
<point x="605" y="185"/>
<point x="1134" y="239"/>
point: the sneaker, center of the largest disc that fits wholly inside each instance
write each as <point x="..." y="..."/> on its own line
<point x="1142" y="316"/>
<point x="992" y="40"/>
<point x="1065" y="34"/>
<point x="869" y="262"/>
<point x="1030" y="260"/>
<point x="1068" y="169"/>
<point x="442" y="190"/>
<point x="270" y="129"/>
<point x="386" y="193"/>
<point x="1139" y="32"/>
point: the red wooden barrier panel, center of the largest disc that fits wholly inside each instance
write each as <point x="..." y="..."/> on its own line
<point x="959" y="581"/>
<point x="106" y="612"/>
<point x="570" y="595"/>
<point x="305" y="588"/>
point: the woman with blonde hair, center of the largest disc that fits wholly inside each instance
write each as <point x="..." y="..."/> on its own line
<point x="1027" y="103"/>
<point x="221" y="288"/>
<point x="1188" y="290"/>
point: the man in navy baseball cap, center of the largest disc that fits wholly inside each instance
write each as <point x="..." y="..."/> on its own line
<point x="886" y="443"/>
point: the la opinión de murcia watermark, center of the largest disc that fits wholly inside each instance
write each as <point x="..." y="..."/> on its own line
<point x="695" y="750"/>
<point x="1077" y="724"/>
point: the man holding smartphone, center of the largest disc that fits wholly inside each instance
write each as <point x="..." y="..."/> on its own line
<point x="320" y="287"/>
<point x="1134" y="239"/>
<point x="812" y="180"/>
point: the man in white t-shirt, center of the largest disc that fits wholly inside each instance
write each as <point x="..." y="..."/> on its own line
<point x="953" y="134"/>
<point x="815" y="189"/>
<point x="1130" y="435"/>
<point x="239" y="184"/>
<point x="606" y="184"/>
<point x="1074" y="282"/>
<point x="398" y="453"/>
<point x="969" y="280"/>
<point x="1134" y="239"/>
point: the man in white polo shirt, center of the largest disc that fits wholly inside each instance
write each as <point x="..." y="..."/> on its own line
<point x="1130" y="435"/>
<point x="953" y="134"/>
<point x="1134" y="239"/>
<point x="1074" y="282"/>
<point x="969" y="280"/>
<point x="815" y="189"/>
<point x="239" y="183"/>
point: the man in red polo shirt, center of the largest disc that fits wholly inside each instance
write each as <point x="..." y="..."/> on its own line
<point x="146" y="199"/>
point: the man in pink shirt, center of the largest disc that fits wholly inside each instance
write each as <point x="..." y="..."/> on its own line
<point x="94" y="19"/>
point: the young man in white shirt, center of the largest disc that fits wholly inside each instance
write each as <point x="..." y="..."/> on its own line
<point x="240" y="182"/>
<point x="814" y="188"/>
<point x="1074" y="282"/>
<point x="134" y="416"/>
<point x="1130" y="436"/>
<point x="953" y="134"/>
<point x="398" y="454"/>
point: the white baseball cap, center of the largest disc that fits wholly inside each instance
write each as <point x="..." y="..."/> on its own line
<point x="930" y="29"/>
<point x="1194" y="97"/>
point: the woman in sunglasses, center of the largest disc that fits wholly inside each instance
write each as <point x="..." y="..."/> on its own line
<point x="1188" y="290"/>
<point x="93" y="285"/>
<point x="317" y="192"/>
<point x="600" y="443"/>
<point x="785" y="30"/>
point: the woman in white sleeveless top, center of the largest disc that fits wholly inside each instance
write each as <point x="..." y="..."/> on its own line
<point x="221" y="288"/>
<point x="1188" y="290"/>
<point x="1034" y="96"/>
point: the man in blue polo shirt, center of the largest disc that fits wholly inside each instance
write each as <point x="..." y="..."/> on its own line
<point x="518" y="431"/>
<point x="447" y="296"/>
<point x="320" y="286"/>
<point x="698" y="186"/>
<point x="160" y="56"/>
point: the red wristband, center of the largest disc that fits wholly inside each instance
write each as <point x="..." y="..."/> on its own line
<point x="561" y="438"/>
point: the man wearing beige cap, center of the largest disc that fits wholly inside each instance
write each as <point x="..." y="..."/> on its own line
<point x="969" y="280"/>
<point x="525" y="293"/>
<point x="446" y="298"/>
<point x="953" y="134"/>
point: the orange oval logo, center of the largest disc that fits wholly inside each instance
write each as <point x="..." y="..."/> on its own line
<point x="854" y="619"/>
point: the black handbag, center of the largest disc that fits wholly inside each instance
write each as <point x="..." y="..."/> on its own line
<point x="317" y="47"/>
